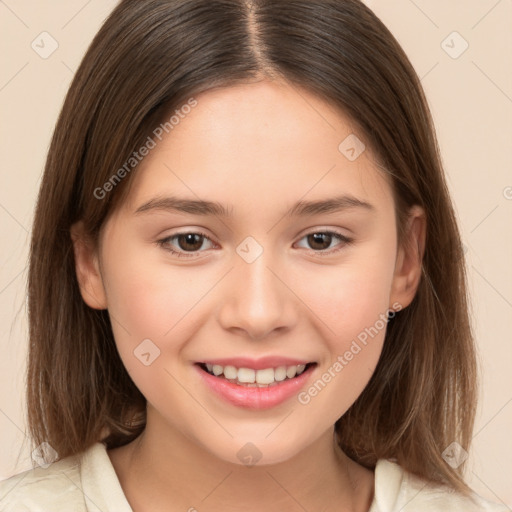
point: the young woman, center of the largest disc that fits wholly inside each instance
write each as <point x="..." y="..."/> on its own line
<point x="246" y="285"/>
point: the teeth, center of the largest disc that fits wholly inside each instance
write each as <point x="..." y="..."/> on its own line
<point x="280" y="373"/>
<point x="256" y="378"/>
<point x="230" y="372"/>
<point x="265" y="376"/>
<point x="246" y="375"/>
<point x="291" y="371"/>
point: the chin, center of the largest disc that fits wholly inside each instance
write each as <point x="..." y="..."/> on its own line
<point x="258" y="450"/>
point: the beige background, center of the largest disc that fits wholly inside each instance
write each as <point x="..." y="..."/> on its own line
<point x="471" y="100"/>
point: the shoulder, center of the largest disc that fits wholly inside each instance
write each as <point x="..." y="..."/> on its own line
<point x="85" y="482"/>
<point x="397" y="489"/>
<point x="56" y="486"/>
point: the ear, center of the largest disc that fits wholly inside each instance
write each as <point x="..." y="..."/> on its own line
<point x="408" y="266"/>
<point x="87" y="268"/>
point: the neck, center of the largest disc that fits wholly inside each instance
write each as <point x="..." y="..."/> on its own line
<point x="163" y="467"/>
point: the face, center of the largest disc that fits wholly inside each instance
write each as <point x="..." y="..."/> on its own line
<point x="266" y="285"/>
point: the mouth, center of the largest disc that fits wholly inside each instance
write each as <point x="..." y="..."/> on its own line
<point x="255" y="384"/>
<point x="256" y="378"/>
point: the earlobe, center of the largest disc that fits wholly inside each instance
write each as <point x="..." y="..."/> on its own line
<point x="408" y="267"/>
<point x="87" y="268"/>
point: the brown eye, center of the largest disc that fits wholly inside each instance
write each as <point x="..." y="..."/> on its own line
<point x="189" y="242"/>
<point x="320" y="241"/>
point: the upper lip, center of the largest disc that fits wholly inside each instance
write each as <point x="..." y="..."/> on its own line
<point x="257" y="364"/>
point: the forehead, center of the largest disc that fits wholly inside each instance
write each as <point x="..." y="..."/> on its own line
<point x="259" y="144"/>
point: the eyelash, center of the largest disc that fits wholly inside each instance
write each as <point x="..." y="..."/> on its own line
<point x="344" y="239"/>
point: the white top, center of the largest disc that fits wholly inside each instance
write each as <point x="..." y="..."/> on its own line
<point x="90" y="484"/>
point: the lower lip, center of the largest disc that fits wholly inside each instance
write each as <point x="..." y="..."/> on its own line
<point x="255" y="397"/>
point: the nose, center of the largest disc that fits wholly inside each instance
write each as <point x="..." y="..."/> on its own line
<point x="257" y="299"/>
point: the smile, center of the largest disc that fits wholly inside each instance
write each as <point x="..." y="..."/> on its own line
<point x="255" y="388"/>
<point x="251" y="377"/>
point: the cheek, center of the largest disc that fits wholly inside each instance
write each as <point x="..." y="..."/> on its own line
<point x="350" y="297"/>
<point x="148" y="297"/>
<point x="148" y="300"/>
<point x="350" y="302"/>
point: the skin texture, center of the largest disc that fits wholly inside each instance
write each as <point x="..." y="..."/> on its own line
<point x="257" y="148"/>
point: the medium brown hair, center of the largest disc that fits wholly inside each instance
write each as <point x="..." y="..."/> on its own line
<point x="147" y="59"/>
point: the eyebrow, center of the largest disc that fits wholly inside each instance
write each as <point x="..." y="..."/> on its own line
<point x="299" y="209"/>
